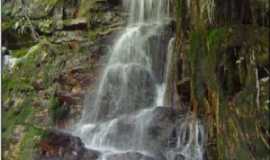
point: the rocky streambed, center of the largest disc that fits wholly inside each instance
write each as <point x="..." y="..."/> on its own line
<point x="168" y="135"/>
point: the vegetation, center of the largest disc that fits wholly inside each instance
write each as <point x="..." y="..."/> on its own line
<point x="57" y="112"/>
<point x="226" y="78"/>
<point x="46" y="54"/>
<point x="222" y="49"/>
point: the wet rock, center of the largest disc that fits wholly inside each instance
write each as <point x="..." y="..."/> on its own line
<point x="65" y="98"/>
<point x="183" y="88"/>
<point x="112" y="93"/>
<point x="179" y="157"/>
<point x="159" y="44"/>
<point x="90" y="155"/>
<point x="78" y="76"/>
<point x="114" y="2"/>
<point x="62" y="146"/>
<point x="150" y="129"/>
<point x="128" y="156"/>
<point x="5" y="51"/>
<point x="160" y="129"/>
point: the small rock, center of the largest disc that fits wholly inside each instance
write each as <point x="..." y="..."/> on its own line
<point x="128" y="156"/>
<point x="77" y="90"/>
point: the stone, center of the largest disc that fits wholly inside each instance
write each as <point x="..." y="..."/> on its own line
<point x="67" y="36"/>
<point x="128" y="156"/>
<point x="179" y="157"/>
<point x="90" y="155"/>
<point x="114" y="2"/>
<point x="63" y="146"/>
<point x="160" y="129"/>
<point x="66" y="98"/>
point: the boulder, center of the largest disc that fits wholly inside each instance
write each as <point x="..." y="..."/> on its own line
<point x="159" y="130"/>
<point x="58" y="145"/>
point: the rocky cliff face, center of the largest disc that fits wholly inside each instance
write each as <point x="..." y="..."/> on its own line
<point x="223" y="51"/>
<point x="54" y="51"/>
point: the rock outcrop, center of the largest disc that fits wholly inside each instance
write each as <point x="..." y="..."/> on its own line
<point x="59" y="47"/>
<point x="62" y="146"/>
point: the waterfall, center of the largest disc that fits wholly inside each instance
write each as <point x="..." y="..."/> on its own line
<point x="168" y="97"/>
<point x="123" y="115"/>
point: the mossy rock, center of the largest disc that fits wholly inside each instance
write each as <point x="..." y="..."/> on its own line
<point x="19" y="52"/>
<point x="57" y="111"/>
<point x="33" y="8"/>
<point x="29" y="142"/>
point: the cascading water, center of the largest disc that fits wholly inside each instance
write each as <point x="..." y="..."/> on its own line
<point x="132" y="86"/>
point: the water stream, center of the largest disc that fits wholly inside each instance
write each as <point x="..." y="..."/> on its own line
<point x="122" y="118"/>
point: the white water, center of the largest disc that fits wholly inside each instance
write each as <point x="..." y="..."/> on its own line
<point x="9" y="61"/>
<point x="121" y="117"/>
<point x="190" y="140"/>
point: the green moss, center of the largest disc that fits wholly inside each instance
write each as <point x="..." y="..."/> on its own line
<point x="92" y="35"/>
<point x="16" y="116"/>
<point x="214" y="41"/>
<point x="85" y="6"/>
<point x="7" y="24"/>
<point x="19" y="52"/>
<point x="48" y="3"/>
<point x="262" y="58"/>
<point x="196" y="58"/>
<point x="67" y="21"/>
<point x="56" y="111"/>
<point x="178" y="8"/>
<point x="214" y="38"/>
<point x="29" y="141"/>
<point x="18" y="90"/>
<point x="15" y="84"/>
<point x="40" y="63"/>
<point x="95" y="33"/>
<point x="46" y="25"/>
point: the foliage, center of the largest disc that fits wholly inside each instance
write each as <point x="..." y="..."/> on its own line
<point x="29" y="142"/>
<point x="228" y="79"/>
<point x="7" y="24"/>
<point x="19" y="52"/>
<point x="20" y="94"/>
<point x="22" y="26"/>
<point x="57" y="111"/>
<point x="46" y="25"/>
<point x="16" y="116"/>
<point x="195" y="57"/>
